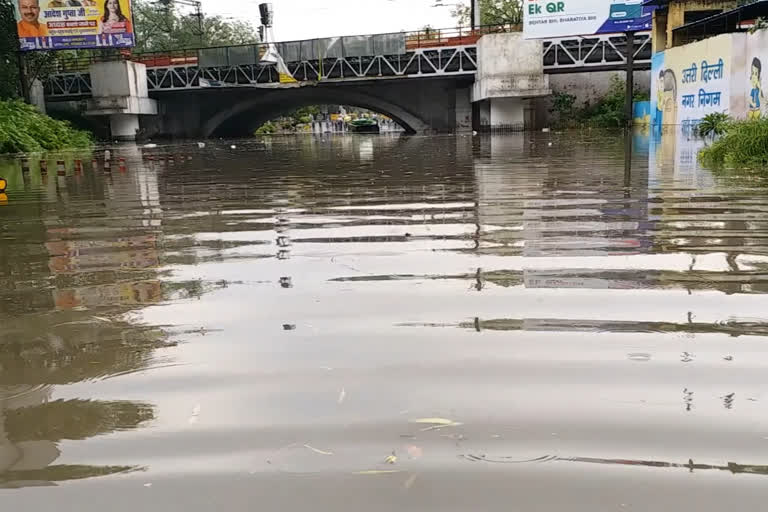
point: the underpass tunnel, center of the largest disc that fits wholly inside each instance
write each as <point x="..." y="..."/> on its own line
<point x="245" y="124"/>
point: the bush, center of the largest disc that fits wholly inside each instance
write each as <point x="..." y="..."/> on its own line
<point x="608" y="112"/>
<point x="24" y="129"/>
<point x="714" y="124"/>
<point x="745" y="143"/>
<point x="267" y="128"/>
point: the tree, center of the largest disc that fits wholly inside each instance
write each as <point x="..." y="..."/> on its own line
<point x="161" y="29"/>
<point x="492" y="12"/>
<point x="9" y="76"/>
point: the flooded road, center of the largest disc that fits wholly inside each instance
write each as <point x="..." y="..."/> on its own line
<point x="381" y="323"/>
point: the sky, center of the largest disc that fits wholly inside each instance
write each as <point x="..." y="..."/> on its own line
<point x="309" y="19"/>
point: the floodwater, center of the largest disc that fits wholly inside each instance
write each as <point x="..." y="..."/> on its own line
<point x="380" y="323"/>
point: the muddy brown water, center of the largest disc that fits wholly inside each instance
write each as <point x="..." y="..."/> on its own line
<point x="379" y="323"/>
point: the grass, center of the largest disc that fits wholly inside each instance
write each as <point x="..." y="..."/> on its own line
<point x="24" y="129"/>
<point x="744" y="143"/>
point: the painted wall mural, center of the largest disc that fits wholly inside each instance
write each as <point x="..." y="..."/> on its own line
<point x="719" y="74"/>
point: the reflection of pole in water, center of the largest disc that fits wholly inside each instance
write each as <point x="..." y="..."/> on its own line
<point x="628" y="164"/>
<point x="688" y="399"/>
<point x="479" y="280"/>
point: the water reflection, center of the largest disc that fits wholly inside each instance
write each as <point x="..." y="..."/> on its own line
<point x="78" y="255"/>
<point x="573" y="295"/>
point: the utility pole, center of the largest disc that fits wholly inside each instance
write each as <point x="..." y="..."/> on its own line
<point x="198" y="14"/>
<point x="474" y="14"/>
<point x="628" y="105"/>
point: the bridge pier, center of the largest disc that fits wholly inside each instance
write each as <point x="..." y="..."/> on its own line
<point x="120" y="91"/>
<point x="510" y="77"/>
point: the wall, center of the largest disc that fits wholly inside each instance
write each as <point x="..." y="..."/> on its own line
<point x="677" y="9"/>
<point x="509" y="66"/>
<point x="589" y="87"/>
<point x="720" y="74"/>
<point x="463" y="110"/>
<point x="641" y="113"/>
<point x="508" y="112"/>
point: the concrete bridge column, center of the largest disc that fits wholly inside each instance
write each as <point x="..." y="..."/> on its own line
<point x="510" y="76"/>
<point x="120" y="91"/>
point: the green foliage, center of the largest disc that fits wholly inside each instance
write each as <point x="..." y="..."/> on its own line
<point x="24" y="129"/>
<point x="715" y="123"/>
<point x="162" y="29"/>
<point x="492" y="12"/>
<point x="8" y="45"/>
<point x="745" y="143"/>
<point x="608" y="112"/>
<point x="267" y="128"/>
<point x="760" y="24"/>
<point x="564" y="104"/>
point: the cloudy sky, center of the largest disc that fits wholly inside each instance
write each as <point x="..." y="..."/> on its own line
<point x="306" y="19"/>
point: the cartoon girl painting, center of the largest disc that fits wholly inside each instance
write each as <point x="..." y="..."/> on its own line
<point x="756" y="96"/>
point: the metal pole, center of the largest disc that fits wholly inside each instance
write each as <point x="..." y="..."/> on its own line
<point x="628" y="110"/>
<point x="199" y="13"/>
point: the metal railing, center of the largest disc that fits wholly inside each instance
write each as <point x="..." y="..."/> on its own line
<point x="604" y="51"/>
<point x="423" y="53"/>
<point x="422" y="39"/>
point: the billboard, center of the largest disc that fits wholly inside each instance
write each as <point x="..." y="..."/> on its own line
<point x="560" y="18"/>
<point x="73" y="24"/>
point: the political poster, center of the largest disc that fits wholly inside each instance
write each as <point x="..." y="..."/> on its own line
<point x="561" y="18"/>
<point x="73" y="24"/>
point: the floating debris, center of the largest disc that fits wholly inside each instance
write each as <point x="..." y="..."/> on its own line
<point x="434" y="421"/>
<point x="321" y="452"/>
<point x="391" y="459"/>
<point x="194" y="418"/>
<point x="506" y="460"/>
<point x="342" y="396"/>
<point x="415" y="452"/>
<point x="378" y="472"/>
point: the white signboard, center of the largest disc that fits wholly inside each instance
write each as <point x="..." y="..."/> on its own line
<point x="560" y="18"/>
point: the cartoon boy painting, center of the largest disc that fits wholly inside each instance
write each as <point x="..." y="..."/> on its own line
<point x="669" y="96"/>
<point x="756" y="97"/>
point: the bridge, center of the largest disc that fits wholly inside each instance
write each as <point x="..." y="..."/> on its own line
<point x="378" y="72"/>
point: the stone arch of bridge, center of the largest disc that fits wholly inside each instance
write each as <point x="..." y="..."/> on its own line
<point x="251" y="110"/>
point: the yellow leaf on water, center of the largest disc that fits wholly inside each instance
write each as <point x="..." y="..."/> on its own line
<point x="321" y="452"/>
<point x="433" y="421"/>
